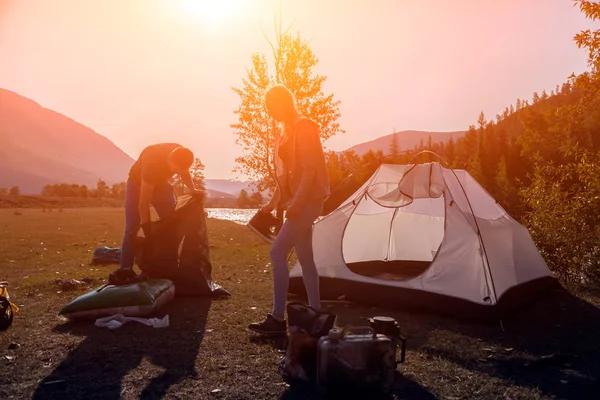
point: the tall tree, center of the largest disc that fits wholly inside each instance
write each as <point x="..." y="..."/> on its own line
<point x="394" y="149"/>
<point x="588" y="39"/>
<point x="102" y="189"/>
<point x="243" y="199"/>
<point x="292" y="64"/>
<point x="197" y="174"/>
<point x="256" y="199"/>
<point x="117" y="190"/>
<point x="14" y="191"/>
<point x="83" y="191"/>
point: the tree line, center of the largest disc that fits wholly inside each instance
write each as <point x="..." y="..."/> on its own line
<point x="12" y="191"/>
<point x="245" y="200"/>
<point x="102" y="190"/>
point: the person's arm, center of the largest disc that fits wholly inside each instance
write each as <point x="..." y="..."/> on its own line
<point x="186" y="178"/>
<point x="146" y="192"/>
<point x="270" y="206"/>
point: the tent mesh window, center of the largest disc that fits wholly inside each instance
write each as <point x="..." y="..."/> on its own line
<point x="396" y="229"/>
<point x="394" y="241"/>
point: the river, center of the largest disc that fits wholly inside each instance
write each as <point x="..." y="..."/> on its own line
<point x="238" y="215"/>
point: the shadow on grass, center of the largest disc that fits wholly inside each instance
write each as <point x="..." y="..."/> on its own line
<point x="97" y="367"/>
<point x="558" y="341"/>
<point x="404" y="388"/>
<point x="279" y="343"/>
<point x="551" y="346"/>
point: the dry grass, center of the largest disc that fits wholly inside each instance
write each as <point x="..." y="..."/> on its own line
<point x="56" y="203"/>
<point x="549" y="350"/>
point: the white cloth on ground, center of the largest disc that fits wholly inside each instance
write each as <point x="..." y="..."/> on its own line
<point x="118" y="320"/>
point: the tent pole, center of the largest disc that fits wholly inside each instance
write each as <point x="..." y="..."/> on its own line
<point x="478" y="235"/>
<point x="387" y="256"/>
<point x="442" y="161"/>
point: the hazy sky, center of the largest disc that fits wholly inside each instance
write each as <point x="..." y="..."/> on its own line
<point x="145" y="71"/>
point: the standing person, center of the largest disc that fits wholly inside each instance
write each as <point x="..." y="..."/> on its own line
<point x="148" y="183"/>
<point x="302" y="186"/>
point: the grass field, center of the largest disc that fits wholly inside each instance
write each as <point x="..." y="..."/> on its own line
<point x="58" y="203"/>
<point x="549" y="350"/>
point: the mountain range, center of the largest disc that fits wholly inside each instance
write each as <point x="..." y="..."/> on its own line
<point x="407" y="140"/>
<point x="39" y="146"/>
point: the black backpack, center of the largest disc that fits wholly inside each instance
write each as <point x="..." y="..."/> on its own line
<point x="178" y="250"/>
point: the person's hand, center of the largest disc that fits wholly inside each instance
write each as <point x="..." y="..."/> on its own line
<point x="197" y="193"/>
<point x="147" y="228"/>
<point x="268" y="208"/>
<point x="293" y="211"/>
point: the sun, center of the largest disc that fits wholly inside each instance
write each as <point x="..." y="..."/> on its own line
<point x="211" y="12"/>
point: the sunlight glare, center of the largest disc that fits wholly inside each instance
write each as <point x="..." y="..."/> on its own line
<point x="210" y="11"/>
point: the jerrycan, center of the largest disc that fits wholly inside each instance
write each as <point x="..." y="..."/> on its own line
<point x="356" y="360"/>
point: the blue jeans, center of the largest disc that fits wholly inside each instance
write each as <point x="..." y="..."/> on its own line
<point x="163" y="201"/>
<point x="296" y="233"/>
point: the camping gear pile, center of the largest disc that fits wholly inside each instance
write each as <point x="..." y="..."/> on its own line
<point x="348" y="360"/>
<point x="428" y="237"/>
<point x="174" y="260"/>
<point x="306" y="326"/>
<point x="178" y="250"/>
<point x="360" y="359"/>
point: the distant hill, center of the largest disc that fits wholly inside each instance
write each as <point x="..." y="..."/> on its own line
<point x="39" y="146"/>
<point x="407" y="140"/>
<point x="215" y="194"/>
<point x="228" y="186"/>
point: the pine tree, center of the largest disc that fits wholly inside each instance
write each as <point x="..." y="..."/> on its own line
<point x="394" y="149"/>
<point x="14" y="191"/>
<point x="243" y="200"/>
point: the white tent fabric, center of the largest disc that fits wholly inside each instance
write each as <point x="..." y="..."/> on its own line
<point x="428" y="213"/>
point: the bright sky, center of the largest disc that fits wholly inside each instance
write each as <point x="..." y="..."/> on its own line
<point x="146" y="71"/>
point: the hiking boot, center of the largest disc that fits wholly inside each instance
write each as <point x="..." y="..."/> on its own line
<point x="265" y="225"/>
<point x="270" y="326"/>
<point x="125" y="277"/>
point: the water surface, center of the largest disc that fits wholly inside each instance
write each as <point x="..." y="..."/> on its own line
<point x="238" y="215"/>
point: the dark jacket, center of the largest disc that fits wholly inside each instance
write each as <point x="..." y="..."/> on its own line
<point x="304" y="161"/>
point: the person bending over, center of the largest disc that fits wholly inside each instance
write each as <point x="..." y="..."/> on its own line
<point x="148" y="183"/>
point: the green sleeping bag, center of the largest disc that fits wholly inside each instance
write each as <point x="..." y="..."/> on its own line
<point x="135" y="300"/>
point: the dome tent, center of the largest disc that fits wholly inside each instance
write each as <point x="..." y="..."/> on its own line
<point x="428" y="237"/>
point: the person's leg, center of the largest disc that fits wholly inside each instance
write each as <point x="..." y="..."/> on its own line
<point x="304" y="251"/>
<point x="291" y="231"/>
<point x="164" y="200"/>
<point x="295" y="233"/>
<point x="285" y="241"/>
<point x="132" y="221"/>
<point x="275" y="323"/>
